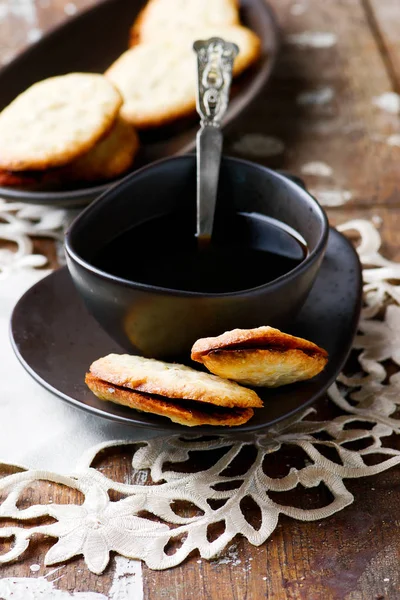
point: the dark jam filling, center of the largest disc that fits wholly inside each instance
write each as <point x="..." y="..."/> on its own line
<point x="190" y="405"/>
<point x="270" y="347"/>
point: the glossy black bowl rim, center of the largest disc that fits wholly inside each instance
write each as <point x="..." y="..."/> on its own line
<point x="268" y="286"/>
<point x="88" y="192"/>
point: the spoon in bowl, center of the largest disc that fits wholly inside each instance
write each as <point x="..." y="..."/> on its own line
<point x="214" y="75"/>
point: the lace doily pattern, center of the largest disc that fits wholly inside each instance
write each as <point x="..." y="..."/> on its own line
<point x="182" y="505"/>
<point x="18" y="222"/>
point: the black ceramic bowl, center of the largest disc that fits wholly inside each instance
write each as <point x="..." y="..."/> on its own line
<point x="160" y="322"/>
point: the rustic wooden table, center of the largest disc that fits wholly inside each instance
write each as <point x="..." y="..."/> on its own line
<point x="325" y="104"/>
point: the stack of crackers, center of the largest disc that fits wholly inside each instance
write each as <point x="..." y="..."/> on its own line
<point x="65" y="129"/>
<point x="261" y="357"/>
<point x="157" y="75"/>
<point x="82" y="127"/>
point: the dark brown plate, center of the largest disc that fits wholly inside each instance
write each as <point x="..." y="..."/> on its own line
<point x="91" y="41"/>
<point x="56" y="340"/>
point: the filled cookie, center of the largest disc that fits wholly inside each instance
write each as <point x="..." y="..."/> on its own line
<point x="180" y="393"/>
<point x="111" y="156"/>
<point x="264" y="357"/>
<point x="185" y="412"/>
<point x="57" y="120"/>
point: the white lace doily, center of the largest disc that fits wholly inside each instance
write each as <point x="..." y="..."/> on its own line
<point x="20" y="221"/>
<point x="180" y="505"/>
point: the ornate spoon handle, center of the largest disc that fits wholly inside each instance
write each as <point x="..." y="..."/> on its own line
<point x="214" y="64"/>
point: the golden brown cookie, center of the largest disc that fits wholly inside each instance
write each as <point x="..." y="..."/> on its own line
<point x="185" y="413"/>
<point x="110" y="157"/>
<point x="164" y="18"/>
<point x="57" y="120"/>
<point x="158" y="80"/>
<point x="264" y="357"/>
<point x="171" y="380"/>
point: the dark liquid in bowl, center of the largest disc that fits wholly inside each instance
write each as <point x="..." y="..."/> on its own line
<point x="247" y="250"/>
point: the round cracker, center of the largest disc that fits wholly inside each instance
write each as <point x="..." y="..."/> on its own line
<point x="171" y="380"/>
<point x="56" y="120"/>
<point x="261" y="357"/>
<point x="163" y="18"/>
<point x="158" y="80"/>
<point x="175" y="411"/>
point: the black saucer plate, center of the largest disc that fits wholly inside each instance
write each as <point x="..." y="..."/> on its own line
<point x="56" y="340"/>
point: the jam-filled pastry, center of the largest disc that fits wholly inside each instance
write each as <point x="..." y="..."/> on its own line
<point x="264" y="357"/>
<point x="182" y="394"/>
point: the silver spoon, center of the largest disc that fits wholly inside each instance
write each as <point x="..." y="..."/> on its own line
<point x="214" y="69"/>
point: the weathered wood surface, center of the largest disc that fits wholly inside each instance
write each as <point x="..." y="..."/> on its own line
<point x="320" y="106"/>
<point x="384" y="16"/>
